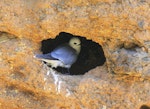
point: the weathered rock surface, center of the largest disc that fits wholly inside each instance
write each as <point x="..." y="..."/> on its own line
<point x="121" y="27"/>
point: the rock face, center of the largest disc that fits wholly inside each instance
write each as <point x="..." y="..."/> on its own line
<point x="121" y="27"/>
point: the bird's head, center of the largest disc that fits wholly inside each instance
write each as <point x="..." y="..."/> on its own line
<point x="75" y="43"/>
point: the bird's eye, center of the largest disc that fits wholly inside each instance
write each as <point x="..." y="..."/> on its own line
<point x="75" y="43"/>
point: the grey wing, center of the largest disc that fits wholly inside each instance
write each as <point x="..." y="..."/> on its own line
<point x="65" y="53"/>
<point x="45" y="56"/>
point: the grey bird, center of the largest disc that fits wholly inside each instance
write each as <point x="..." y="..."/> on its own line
<point x="64" y="55"/>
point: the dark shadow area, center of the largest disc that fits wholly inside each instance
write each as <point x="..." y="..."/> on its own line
<point x="144" y="107"/>
<point x="91" y="54"/>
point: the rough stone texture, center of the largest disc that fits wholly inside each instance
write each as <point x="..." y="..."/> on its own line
<point x="121" y="27"/>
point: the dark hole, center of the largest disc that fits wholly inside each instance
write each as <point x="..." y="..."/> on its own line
<point x="91" y="54"/>
<point x="144" y="107"/>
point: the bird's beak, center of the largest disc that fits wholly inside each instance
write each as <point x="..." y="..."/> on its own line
<point x="79" y="44"/>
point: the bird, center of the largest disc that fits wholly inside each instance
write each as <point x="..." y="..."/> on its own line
<point x="64" y="55"/>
